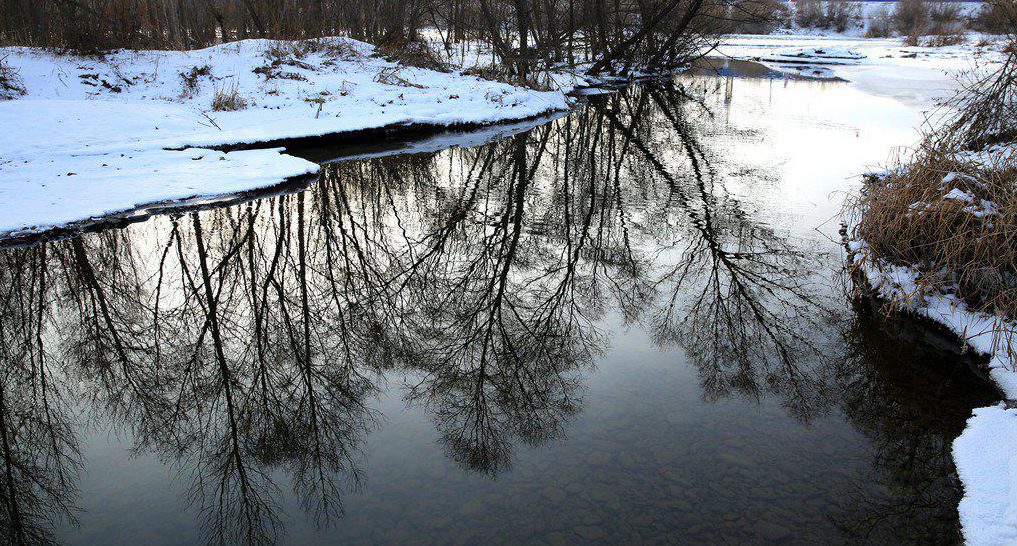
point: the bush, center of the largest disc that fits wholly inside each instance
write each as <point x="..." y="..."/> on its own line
<point x="911" y="18"/>
<point x="946" y="19"/>
<point x="953" y="220"/>
<point x="11" y="85"/>
<point x="809" y="13"/>
<point x="841" y="14"/>
<point x="996" y="17"/>
<point x="881" y="24"/>
<point x="228" y="100"/>
<point x="837" y="15"/>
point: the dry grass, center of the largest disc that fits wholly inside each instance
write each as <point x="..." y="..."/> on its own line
<point x="944" y="40"/>
<point x="911" y="219"/>
<point x="228" y="100"/>
<point x="416" y="53"/>
<point x="191" y="79"/>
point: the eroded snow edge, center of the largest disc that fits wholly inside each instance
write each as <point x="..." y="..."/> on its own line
<point x="985" y="454"/>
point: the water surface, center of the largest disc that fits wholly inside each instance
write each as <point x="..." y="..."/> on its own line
<point x="625" y="325"/>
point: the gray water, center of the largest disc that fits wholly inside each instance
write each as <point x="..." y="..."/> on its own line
<point x="627" y="325"/>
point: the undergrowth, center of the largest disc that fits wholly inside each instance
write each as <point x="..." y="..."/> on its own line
<point x="11" y="85"/>
<point x="228" y="100"/>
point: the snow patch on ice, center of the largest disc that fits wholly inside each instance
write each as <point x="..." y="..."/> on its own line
<point x="880" y="66"/>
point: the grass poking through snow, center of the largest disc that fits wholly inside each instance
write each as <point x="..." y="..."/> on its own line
<point x="228" y="100"/>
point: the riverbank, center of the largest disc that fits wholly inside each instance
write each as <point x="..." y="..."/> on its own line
<point x="932" y="239"/>
<point x="87" y="136"/>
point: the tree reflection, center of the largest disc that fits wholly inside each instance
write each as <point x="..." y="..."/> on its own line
<point x="890" y="405"/>
<point x="39" y="450"/>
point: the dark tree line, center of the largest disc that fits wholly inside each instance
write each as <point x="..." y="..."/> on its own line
<point x="612" y="35"/>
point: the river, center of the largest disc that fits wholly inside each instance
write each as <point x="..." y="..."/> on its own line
<point x="625" y="325"/>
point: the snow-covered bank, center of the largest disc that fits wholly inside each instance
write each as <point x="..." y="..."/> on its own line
<point x="986" y="452"/>
<point x="95" y="135"/>
<point x="919" y="76"/>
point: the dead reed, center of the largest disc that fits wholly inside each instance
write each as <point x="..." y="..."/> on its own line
<point x="952" y="216"/>
<point x="228" y="100"/>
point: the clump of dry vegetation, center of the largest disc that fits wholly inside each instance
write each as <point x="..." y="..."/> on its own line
<point x="881" y="24"/>
<point x="950" y="212"/>
<point x="911" y="18"/>
<point x="284" y="58"/>
<point x="391" y="76"/>
<point x="11" y="85"/>
<point x="954" y="220"/>
<point x="415" y="52"/>
<point x="837" y="15"/>
<point x="191" y="79"/>
<point x="995" y="17"/>
<point x="228" y="100"/>
<point x="943" y="40"/>
<point x="943" y="22"/>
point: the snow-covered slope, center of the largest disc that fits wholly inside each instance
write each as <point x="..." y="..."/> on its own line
<point x="98" y="135"/>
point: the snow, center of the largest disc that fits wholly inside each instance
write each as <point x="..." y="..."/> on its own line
<point x="959" y="195"/>
<point x="986" y="452"/>
<point x="834" y="55"/>
<point x="989" y="472"/>
<point x="38" y="195"/>
<point x="919" y="76"/>
<point x="130" y="129"/>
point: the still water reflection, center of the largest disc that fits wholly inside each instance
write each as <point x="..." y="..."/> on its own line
<point x="620" y="326"/>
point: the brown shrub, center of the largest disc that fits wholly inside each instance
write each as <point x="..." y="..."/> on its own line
<point x="416" y="53"/>
<point x="959" y="230"/>
<point x="837" y="15"/>
<point x="911" y="18"/>
<point x="11" y="85"/>
<point x="996" y="17"/>
<point x="228" y="100"/>
<point x="881" y="24"/>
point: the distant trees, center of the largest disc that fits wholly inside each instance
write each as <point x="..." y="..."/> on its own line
<point x="997" y="17"/>
<point x="518" y="31"/>
<point x="833" y="14"/>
